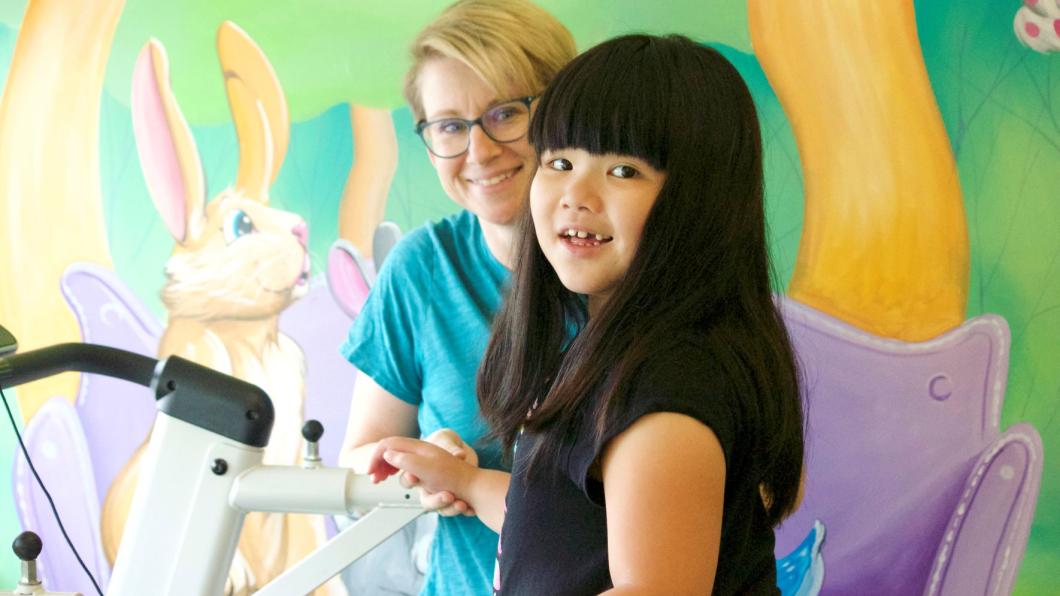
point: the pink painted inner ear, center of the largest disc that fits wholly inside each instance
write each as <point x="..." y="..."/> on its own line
<point x="347" y="281"/>
<point x="156" y="146"/>
<point x="1056" y="22"/>
<point x="1031" y="29"/>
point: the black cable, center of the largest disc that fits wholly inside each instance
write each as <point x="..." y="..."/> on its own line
<point x="55" y="511"/>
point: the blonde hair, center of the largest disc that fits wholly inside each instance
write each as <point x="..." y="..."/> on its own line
<point x="513" y="45"/>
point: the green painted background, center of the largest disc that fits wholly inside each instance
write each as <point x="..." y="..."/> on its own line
<point x="998" y="101"/>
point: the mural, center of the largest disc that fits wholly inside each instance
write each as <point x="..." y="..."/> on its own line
<point x="891" y="270"/>
<point x="911" y="194"/>
<point x="238" y="263"/>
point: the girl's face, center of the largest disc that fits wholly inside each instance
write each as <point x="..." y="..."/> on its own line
<point x="589" y="212"/>
<point x="490" y="179"/>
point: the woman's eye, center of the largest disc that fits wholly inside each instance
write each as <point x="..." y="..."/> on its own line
<point x="451" y="126"/>
<point x="624" y="171"/>
<point x="501" y="114"/>
<point x="560" y="164"/>
<point x="237" y="223"/>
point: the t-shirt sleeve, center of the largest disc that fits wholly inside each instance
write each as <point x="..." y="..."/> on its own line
<point x="681" y="382"/>
<point x="382" y="342"/>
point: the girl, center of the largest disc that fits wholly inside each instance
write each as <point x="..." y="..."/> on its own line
<point x="639" y="371"/>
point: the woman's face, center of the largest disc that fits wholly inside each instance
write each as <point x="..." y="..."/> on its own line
<point x="490" y="179"/>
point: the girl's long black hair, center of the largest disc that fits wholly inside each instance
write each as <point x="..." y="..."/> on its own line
<point x="702" y="263"/>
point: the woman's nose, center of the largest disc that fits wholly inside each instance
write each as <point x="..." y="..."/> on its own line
<point x="480" y="147"/>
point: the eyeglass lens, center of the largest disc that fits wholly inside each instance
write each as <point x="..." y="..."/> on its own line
<point x="503" y="123"/>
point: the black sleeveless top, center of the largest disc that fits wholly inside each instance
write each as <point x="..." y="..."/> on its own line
<point x="554" y="539"/>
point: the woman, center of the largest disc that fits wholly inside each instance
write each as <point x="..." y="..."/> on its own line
<point x="417" y="343"/>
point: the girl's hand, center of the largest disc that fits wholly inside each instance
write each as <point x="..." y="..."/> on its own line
<point x="440" y="474"/>
<point x="444" y="503"/>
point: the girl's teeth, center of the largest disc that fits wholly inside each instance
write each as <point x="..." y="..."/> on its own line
<point x="572" y="233"/>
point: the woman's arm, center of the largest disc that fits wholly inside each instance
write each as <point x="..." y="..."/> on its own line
<point x="664" y="486"/>
<point x="439" y="471"/>
<point x="375" y="414"/>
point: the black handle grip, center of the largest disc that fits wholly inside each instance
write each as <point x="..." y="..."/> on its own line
<point x="90" y="358"/>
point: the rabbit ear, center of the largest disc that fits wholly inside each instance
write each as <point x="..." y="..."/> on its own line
<point x="168" y="155"/>
<point x="349" y="277"/>
<point x="259" y="110"/>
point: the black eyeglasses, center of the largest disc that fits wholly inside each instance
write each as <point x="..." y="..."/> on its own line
<point x="450" y="137"/>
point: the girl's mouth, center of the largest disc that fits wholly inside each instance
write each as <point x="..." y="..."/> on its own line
<point x="578" y="237"/>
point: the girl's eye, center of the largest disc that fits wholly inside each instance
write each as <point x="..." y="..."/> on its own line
<point x="237" y="223"/>
<point x="560" y="164"/>
<point x="624" y="171"/>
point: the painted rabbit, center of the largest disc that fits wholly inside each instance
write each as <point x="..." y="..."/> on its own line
<point x="236" y="265"/>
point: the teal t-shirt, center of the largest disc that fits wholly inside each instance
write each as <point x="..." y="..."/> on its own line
<point x="421" y="336"/>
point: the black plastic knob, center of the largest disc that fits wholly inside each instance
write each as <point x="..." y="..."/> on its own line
<point x="312" y="430"/>
<point x="27" y="546"/>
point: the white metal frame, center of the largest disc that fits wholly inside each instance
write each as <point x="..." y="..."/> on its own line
<point x="185" y="520"/>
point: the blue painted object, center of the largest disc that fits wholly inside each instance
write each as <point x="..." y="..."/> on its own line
<point x="801" y="572"/>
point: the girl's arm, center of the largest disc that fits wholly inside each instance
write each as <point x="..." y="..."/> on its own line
<point x="664" y="487"/>
<point x="440" y="472"/>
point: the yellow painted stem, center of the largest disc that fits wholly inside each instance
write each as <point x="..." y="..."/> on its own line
<point x="884" y="243"/>
<point x="51" y="209"/>
<point x="375" y="162"/>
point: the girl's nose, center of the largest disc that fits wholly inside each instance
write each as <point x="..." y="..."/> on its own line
<point x="582" y="194"/>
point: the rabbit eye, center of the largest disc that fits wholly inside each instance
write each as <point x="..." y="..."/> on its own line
<point x="237" y="223"/>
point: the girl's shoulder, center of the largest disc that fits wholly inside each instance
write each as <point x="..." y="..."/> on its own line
<point x="687" y="361"/>
<point x="686" y="377"/>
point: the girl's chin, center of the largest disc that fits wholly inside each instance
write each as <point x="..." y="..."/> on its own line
<point x="579" y="285"/>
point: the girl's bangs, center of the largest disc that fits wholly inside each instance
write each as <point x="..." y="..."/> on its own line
<point x="608" y="100"/>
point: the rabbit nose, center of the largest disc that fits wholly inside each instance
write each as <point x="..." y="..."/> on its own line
<point x="301" y="231"/>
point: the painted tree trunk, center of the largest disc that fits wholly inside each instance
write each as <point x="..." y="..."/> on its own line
<point x="884" y="243"/>
<point x="50" y="197"/>
<point x="374" y="165"/>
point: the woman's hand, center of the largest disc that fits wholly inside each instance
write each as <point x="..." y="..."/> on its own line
<point x="442" y="466"/>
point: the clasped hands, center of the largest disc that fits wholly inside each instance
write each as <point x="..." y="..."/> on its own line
<point x="441" y="465"/>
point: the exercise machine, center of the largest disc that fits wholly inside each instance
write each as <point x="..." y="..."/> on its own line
<point x="202" y="473"/>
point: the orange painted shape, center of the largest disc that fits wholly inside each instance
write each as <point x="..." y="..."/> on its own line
<point x="884" y="243"/>
<point x="51" y="207"/>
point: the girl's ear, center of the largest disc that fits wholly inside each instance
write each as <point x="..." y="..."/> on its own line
<point x="259" y="110"/>
<point x="168" y="155"/>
